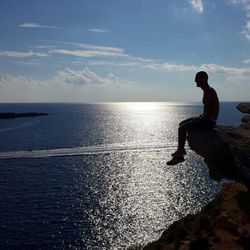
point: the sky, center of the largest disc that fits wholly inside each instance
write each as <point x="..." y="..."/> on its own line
<point x="123" y="50"/>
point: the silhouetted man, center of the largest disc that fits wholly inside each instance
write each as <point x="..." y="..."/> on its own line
<point x="207" y="120"/>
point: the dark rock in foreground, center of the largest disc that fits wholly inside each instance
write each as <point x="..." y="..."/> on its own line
<point x="17" y="115"/>
<point x="226" y="150"/>
<point x="225" y="222"/>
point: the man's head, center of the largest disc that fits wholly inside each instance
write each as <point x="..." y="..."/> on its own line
<point x="201" y="78"/>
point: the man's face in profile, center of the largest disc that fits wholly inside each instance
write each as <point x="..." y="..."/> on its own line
<point x="199" y="80"/>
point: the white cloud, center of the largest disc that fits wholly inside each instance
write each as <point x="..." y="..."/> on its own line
<point x="66" y="85"/>
<point x="112" y="55"/>
<point x="96" y="47"/>
<point x="171" y="67"/>
<point x="19" y="54"/>
<point x="84" y="77"/>
<point x="9" y="81"/>
<point x="246" y="30"/>
<point x="197" y="5"/>
<point x="98" y="30"/>
<point x="112" y="63"/>
<point x="87" y="86"/>
<point x="44" y="46"/>
<point x="246" y="61"/>
<point x="87" y="53"/>
<point x="246" y="6"/>
<point x="223" y="69"/>
<point x="89" y="50"/>
<point x="210" y="68"/>
<point x="233" y="74"/>
<point x="36" y="25"/>
<point x="63" y="77"/>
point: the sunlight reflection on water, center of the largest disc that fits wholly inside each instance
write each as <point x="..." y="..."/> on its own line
<point x="138" y="196"/>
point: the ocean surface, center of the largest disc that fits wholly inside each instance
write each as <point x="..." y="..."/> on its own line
<point x="94" y="176"/>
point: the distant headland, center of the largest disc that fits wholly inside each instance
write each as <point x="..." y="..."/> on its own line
<point x="10" y="115"/>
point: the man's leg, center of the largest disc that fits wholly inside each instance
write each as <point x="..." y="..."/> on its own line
<point x="184" y="126"/>
<point x="182" y="135"/>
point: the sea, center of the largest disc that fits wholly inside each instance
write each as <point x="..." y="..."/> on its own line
<point x="94" y="176"/>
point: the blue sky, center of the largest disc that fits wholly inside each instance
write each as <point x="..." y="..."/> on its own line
<point x="116" y="50"/>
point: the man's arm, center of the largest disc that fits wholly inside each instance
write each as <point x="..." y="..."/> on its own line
<point x="211" y="106"/>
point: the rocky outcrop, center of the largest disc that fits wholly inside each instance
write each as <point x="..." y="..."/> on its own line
<point x="244" y="107"/>
<point x="225" y="222"/>
<point x="226" y="150"/>
<point x="245" y="121"/>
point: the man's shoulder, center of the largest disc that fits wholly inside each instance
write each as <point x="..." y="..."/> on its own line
<point x="212" y="91"/>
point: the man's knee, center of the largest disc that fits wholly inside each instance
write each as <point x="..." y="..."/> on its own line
<point x="186" y="121"/>
<point x="182" y="128"/>
<point x="185" y="127"/>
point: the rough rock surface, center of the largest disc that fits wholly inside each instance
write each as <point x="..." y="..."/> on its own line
<point x="225" y="222"/>
<point x="226" y="150"/>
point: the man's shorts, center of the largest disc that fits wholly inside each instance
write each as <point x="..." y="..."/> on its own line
<point x="193" y="123"/>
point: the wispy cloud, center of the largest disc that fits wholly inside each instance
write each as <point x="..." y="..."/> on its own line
<point x="44" y="46"/>
<point x="246" y="30"/>
<point x="99" y="30"/>
<point x="88" y="50"/>
<point x="246" y="61"/>
<point x="231" y="73"/>
<point x="246" y="6"/>
<point x="96" y="55"/>
<point x="37" y="25"/>
<point x="171" y="67"/>
<point x="112" y="55"/>
<point x="197" y="5"/>
<point x="112" y="63"/>
<point x="118" y="57"/>
<point x="86" y="53"/>
<point x="96" y="47"/>
<point x="19" y="54"/>
<point x="212" y="68"/>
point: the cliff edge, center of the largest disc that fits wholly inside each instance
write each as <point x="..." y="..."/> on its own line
<point x="225" y="222"/>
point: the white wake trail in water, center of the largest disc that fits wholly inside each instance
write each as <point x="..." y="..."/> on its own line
<point x="20" y="126"/>
<point x="91" y="150"/>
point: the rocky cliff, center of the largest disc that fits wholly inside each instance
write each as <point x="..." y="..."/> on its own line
<point x="225" y="222"/>
<point x="226" y="150"/>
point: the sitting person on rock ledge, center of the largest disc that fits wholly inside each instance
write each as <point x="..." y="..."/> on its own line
<point x="207" y="120"/>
